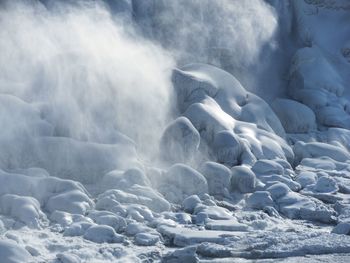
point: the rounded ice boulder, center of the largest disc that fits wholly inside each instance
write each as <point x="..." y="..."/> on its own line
<point x="343" y="228"/>
<point x="218" y="177"/>
<point x="180" y="141"/>
<point x="278" y="190"/>
<point x="102" y="234"/>
<point x="73" y="201"/>
<point x="12" y="253"/>
<point x="326" y="184"/>
<point x="259" y="200"/>
<point x="23" y="208"/>
<point x="190" y="203"/>
<point x="319" y="149"/>
<point x="117" y="179"/>
<point x="181" y="181"/>
<point x="146" y="239"/>
<point x="294" y="116"/>
<point x="227" y="148"/>
<point x="306" y="178"/>
<point x="243" y="179"/>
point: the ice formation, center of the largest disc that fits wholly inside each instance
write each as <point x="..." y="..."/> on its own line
<point x="174" y="131"/>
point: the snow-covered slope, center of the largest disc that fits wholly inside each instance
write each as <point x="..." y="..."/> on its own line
<point x="174" y="131"/>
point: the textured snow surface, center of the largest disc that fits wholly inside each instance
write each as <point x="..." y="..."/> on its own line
<point x="174" y="131"/>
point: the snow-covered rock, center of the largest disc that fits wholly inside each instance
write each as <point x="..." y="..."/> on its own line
<point x="294" y="205"/>
<point x="85" y="161"/>
<point x="51" y="193"/>
<point x="68" y="258"/>
<point x="186" y="237"/>
<point x="218" y="177"/>
<point x="123" y="180"/>
<point x="338" y="136"/>
<point x="180" y="141"/>
<point x="228" y="149"/>
<point x="243" y="179"/>
<point x="267" y="167"/>
<point x="190" y="203"/>
<point x="306" y="178"/>
<point x="73" y="201"/>
<point x="343" y="228"/>
<point x="195" y="81"/>
<point x="214" y="101"/>
<point x="318" y="149"/>
<point x="26" y="209"/>
<point x="294" y="116"/>
<point x="77" y="229"/>
<point x="272" y="171"/>
<point x="109" y="219"/>
<point x="326" y="184"/>
<point x="113" y="198"/>
<point x="181" y="181"/>
<point x="187" y="254"/>
<point x="66" y="219"/>
<point x="278" y="190"/>
<point x="146" y="239"/>
<point x="259" y="200"/>
<point x="102" y="234"/>
<point x="212" y="212"/>
<point x="12" y="253"/>
<point x="29" y="121"/>
<point x="315" y="82"/>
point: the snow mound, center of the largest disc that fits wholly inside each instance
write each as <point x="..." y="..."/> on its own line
<point x="50" y="192"/>
<point x="271" y="171"/>
<point x="180" y="141"/>
<point x="12" y="253"/>
<point x="146" y="239"/>
<point x="123" y="180"/>
<point x="195" y="81"/>
<point x="343" y="228"/>
<point x="190" y="203"/>
<point x="294" y="116"/>
<point x="228" y="149"/>
<point x="238" y="126"/>
<point x="218" y="177"/>
<point x="103" y="234"/>
<point x="318" y="149"/>
<point x="339" y="137"/>
<point x="260" y="200"/>
<point x="84" y="161"/>
<point x="316" y="83"/>
<point x="306" y="178"/>
<point x="29" y="142"/>
<point x="108" y="218"/>
<point x="113" y="199"/>
<point x="23" y="208"/>
<point x="28" y="119"/>
<point x="243" y="179"/>
<point x="181" y="181"/>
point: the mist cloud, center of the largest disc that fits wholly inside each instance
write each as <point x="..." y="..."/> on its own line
<point x="89" y="75"/>
<point x="209" y="31"/>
